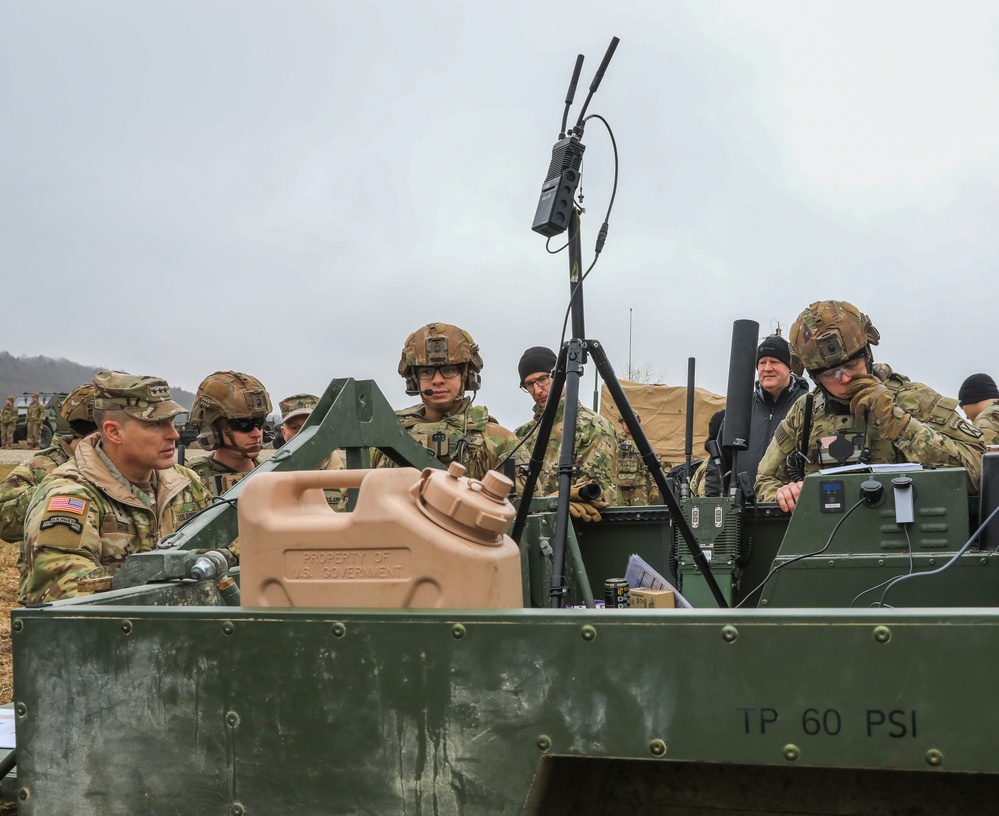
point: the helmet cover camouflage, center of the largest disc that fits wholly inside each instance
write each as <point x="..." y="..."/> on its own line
<point x="79" y="405"/>
<point x="229" y="395"/>
<point x="297" y="405"/>
<point x="438" y="344"/>
<point x="145" y="398"/>
<point x="830" y="332"/>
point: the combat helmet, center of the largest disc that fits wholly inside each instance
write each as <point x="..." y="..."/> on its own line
<point x="226" y="395"/>
<point x="78" y="410"/>
<point x="830" y="332"/>
<point x="438" y="344"/>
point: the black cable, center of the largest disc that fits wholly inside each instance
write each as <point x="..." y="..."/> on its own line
<point x="215" y="500"/>
<point x="938" y="570"/>
<point x="825" y="547"/>
<point x="908" y="541"/>
<point x="601" y="236"/>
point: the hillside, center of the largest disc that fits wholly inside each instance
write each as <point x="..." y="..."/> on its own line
<point x="19" y="375"/>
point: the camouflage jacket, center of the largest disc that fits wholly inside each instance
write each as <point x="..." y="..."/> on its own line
<point x="988" y="423"/>
<point x="215" y="476"/>
<point x="19" y="486"/>
<point x="36" y="412"/>
<point x="85" y="515"/>
<point x="595" y="453"/>
<point x="634" y="480"/>
<point x="472" y="437"/>
<point x="936" y="435"/>
<point x="8" y="414"/>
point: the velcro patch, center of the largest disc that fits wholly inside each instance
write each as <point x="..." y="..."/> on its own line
<point x="74" y="524"/>
<point x="67" y="504"/>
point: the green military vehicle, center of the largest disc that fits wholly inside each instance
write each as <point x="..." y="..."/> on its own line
<point x="829" y="663"/>
<point x="53" y="423"/>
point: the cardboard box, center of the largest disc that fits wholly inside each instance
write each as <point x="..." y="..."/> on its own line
<point x="652" y="599"/>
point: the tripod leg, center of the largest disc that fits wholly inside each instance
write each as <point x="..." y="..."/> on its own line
<point x="573" y="351"/>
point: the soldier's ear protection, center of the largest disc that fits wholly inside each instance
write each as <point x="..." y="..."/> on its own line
<point x="210" y="438"/>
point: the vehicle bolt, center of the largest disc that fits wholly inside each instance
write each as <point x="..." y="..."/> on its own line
<point x="982" y="561"/>
<point x="588" y="632"/>
<point x="764" y="602"/>
<point x="457" y="631"/>
<point x="236" y="809"/>
<point x="228" y="628"/>
<point x="882" y="634"/>
<point x="934" y="757"/>
<point x="126" y="627"/>
<point x="17" y="625"/>
<point x="544" y="742"/>
<point x="339" y="629"/>
<point x="933" y="561"/>
<point x="832" y="563"/>
<point x="791" y="752"/>
<point x="881" y="562"/>
<point x="21" y="709"/>
<point x="657" y="747"/>
<point x="232" y="719"/>
<point x="23" y="794"/>
<point x="730" y="634"/>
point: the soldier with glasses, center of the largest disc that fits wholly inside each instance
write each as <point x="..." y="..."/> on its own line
<point x="230" y="409"/>
<point x="863" y="412"/>
<point x="440" y="362"/>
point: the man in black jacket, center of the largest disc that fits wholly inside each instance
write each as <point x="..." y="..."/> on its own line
<point x="777" y="389"/>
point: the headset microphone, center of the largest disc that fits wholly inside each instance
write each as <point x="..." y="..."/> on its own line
<point x="429" y="392"/>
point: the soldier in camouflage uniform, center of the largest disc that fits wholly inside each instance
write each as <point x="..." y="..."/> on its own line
<point x="979" y="399"/>
<point x="119" y="494"/>
<point x="230" y="409"/>
<point x="634" y="480"/>
<point x="595" y="447"/>
<point x="8" y="423"/>
<point x="863" y="412"/>
<point x="440" y="362"/>
<point x="34" y="419"/>
<point x="19" y="486"/>
<point x="294" y="411"/>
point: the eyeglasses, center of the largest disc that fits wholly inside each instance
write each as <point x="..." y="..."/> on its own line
<point x="851" y="367"/>
<point x="543" y="382"/>
<point x="247" y="425"/>
<point x="448" y="372"/>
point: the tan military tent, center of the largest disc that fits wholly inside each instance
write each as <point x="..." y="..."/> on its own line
<point x="662" y="409"/>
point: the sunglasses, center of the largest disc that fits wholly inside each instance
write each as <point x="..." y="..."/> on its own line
<point x="247" y="425"/>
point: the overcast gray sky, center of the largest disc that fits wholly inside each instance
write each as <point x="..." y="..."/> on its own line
<point x="289" y="189"/>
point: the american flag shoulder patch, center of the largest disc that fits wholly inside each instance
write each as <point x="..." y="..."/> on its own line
<point x="67" y="504"/>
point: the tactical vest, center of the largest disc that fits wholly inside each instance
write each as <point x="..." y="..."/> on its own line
<point x="455" y="438"/>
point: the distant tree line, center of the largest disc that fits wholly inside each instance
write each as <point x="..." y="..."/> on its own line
<point x="19" y="375"/>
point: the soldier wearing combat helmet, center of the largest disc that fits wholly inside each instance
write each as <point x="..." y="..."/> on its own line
<point x="440" y="362"/>
<point x="863" y="412"/>
<point x="118" y="495"/>
<point x="19" y="486"/>
<point x="230" y="409"/>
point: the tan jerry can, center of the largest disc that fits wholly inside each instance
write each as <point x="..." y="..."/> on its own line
<point x="425" y="540"/>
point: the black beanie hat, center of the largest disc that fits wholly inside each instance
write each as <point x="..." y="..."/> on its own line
<point x="535" y="359"/>
<point x="714" y="426"/>
<point x="776" y="347"/>
<point x="976" y="388"/>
